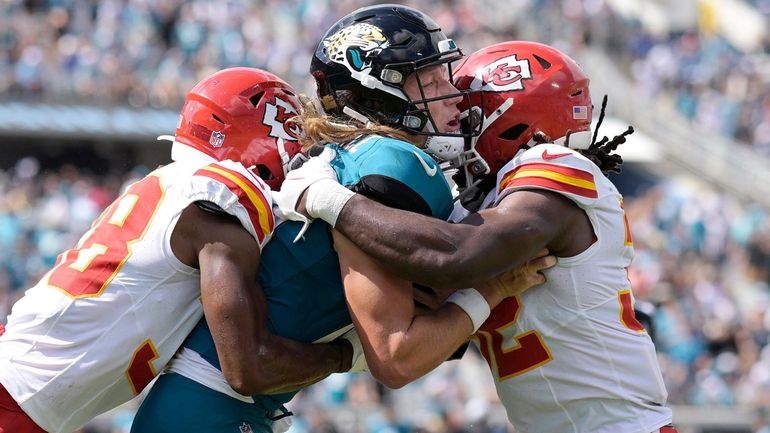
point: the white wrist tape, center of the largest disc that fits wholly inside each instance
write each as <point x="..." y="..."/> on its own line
<point x="474" y="305"/>
<point x="325" y="200"/>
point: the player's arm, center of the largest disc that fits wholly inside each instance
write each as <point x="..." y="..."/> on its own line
<point x="253" y="360"/>
<point x="446" y="255"/>
<point x="400" y="343"/>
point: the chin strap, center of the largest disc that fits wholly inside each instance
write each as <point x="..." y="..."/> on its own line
<point x="353" y="114"/>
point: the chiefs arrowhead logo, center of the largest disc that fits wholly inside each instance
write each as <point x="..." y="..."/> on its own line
<point x="507" y="73"/>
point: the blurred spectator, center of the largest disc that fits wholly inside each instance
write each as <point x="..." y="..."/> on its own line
<point x="149" y="53"/>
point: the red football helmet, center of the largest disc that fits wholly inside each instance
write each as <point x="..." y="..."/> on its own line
<point x="241" y="114"/>
<point x="522" y="88"/>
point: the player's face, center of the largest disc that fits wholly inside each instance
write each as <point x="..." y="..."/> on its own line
<point x="435" y="83"/>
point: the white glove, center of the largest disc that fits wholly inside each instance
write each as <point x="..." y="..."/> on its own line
<point x="325" y="196"/>
<point x="297" y="181"/>
<point x="358" y="365"/>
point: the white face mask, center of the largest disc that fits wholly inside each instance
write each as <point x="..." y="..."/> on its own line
<point x="445" y="148"/>
<point x="450" y="148"/>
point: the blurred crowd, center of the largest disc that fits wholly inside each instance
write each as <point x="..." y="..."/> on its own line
<point x="148" y="53"/>
<point x="160" y="48"/>
<point x="703" y="259"/>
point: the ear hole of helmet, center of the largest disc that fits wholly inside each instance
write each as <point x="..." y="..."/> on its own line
<point x="545" y="64"/>
<point x="514" y="132"/>
<point x="402" y="39"/>
<point x="256" y="98"/>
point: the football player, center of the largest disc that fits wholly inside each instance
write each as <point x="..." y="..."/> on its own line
<point x="569" y="356"/>
<point x="184" y="240"/>
<point x="318" y="284"/>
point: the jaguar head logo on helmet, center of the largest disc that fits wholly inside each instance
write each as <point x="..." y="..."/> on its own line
<point x="355" y="46"/>
<point x="363" y="63"/>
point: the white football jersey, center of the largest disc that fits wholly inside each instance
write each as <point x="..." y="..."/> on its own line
<point x="570" y="356"/>
<point x="108" y="317"/>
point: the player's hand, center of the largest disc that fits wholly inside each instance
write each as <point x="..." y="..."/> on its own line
<point x="313" y="171"/>
<point x="358" y="363"/>
<point x="517" y="281"/>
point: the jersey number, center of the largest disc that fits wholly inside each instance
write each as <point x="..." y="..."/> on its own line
<point x="628" y="240"/>
<point x="529" y="352"/>
<point x="88" y="268"/>
<point x="141" y="371"/>
<point x="627" y="314"/>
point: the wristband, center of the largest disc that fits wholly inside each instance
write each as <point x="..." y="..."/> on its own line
<point x="474" y="305"/>
<point x="325" y="200"/>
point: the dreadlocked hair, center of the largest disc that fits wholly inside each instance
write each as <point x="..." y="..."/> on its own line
<point x="600" y="153"/>
<point x="319" y="128"/>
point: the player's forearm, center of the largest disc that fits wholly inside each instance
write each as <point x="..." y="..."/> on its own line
<point x="284" y="365"/>
<point x="430" y="251"/>
<point x="430" y="340"/>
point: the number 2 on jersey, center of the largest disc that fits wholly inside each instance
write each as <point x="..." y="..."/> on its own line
<point x="529" y="352"/>
<point x="88" y="268"/>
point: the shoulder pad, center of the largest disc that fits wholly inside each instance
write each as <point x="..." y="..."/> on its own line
<point x="552" y="167"/>
<point x="237" y="192"/>
<point x="395" y="173"/>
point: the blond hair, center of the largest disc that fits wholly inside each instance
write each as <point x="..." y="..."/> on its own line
<point x="319" y="128"/>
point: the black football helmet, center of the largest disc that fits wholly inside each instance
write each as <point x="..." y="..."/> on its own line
<point x="362" y="62"/>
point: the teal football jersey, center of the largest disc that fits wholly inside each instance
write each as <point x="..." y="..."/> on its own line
<point x="301" y="281"/>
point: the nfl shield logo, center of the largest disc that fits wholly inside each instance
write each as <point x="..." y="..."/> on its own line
<point x="245" y="428"/>
<point x="217" y="138"/>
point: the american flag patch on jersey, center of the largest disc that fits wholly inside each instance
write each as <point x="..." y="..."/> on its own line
<point x="580" y="112"/>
